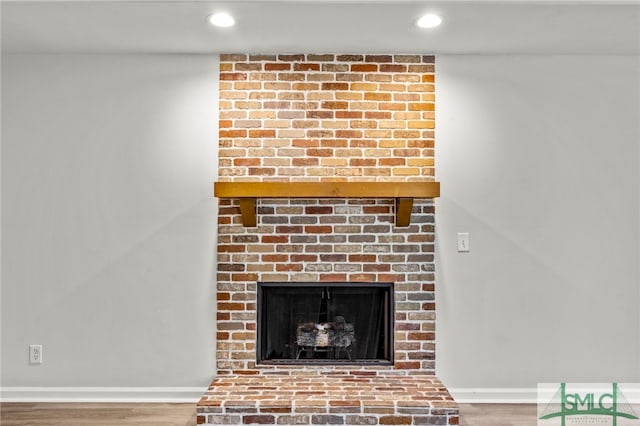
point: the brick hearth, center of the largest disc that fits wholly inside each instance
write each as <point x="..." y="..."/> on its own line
<point x="352" y="397"/>
<point x="326" y="118"/>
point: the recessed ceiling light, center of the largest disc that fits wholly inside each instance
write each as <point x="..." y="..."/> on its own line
<point x="429" y="21"/>
<point x="222" y="20"/>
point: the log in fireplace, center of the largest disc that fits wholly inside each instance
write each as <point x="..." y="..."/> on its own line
<point x="325" y="323"/>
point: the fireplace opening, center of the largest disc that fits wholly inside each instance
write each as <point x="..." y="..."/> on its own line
<point x="325" y="323"/>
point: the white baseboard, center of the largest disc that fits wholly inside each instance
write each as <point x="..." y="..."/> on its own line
<point x="192" y="395"/>
<point x="102" y="394"/>
<point x="494" y="395"/>
<point x="527" y="395"/>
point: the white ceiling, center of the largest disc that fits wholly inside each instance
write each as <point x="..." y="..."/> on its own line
<point x="180" y="26"/>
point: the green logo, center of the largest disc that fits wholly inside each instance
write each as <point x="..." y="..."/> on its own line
<point x="588" y="405"/>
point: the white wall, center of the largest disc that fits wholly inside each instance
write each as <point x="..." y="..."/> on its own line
<point x="108" y="223"/>
<point x="108" y="219"/>
<point x="538" y="161"/>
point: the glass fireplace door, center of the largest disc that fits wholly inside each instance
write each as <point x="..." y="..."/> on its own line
<point x="337" y="323"/>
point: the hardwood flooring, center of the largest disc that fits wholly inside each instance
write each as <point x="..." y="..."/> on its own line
<point x="90" y="414"/>
<point x="93" y="414"/>
<point x="498" y="414"/>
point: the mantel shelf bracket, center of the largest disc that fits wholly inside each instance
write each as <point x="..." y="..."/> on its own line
<point x="402" y="192"/>
<point x="248" y="210"/>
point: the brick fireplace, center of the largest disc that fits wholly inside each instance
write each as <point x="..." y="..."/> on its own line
<point x="326" y="118"/>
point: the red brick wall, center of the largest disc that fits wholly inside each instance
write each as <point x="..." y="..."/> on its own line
<point x="326" y="117"/>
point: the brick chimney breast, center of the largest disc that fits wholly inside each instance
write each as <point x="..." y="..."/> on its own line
<point x="316" y="118"/>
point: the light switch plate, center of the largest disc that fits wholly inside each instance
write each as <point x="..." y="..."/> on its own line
<point x="463" y="241"/>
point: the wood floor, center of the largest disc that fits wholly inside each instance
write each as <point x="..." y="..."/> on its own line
<point x="41" y="414"/>
<point x="498" y="414"/>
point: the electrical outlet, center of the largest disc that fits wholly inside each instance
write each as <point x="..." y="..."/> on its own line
<point x="35" y="354"/>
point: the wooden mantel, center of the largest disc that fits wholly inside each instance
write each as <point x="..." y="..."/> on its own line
<point x="403" y="192"/>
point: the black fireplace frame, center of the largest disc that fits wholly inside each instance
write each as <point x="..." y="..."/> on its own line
<point x="389" y="332"/>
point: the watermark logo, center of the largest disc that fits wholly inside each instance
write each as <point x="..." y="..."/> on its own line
<point x="614" y="404"/>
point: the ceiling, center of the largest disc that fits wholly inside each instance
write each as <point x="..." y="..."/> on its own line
<point x="180" y="26"/>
